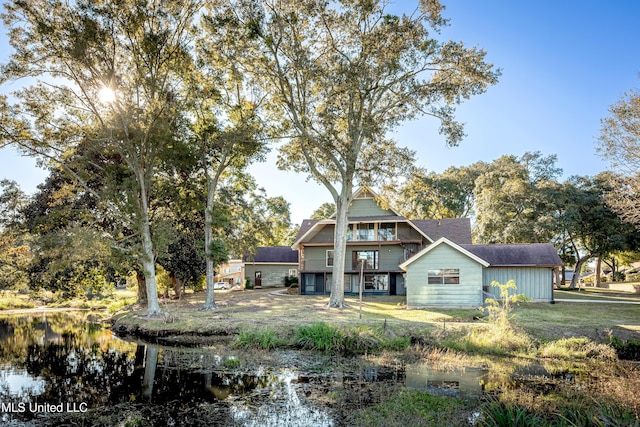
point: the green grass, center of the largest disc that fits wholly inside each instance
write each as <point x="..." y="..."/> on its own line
<point x="414" y="408"/>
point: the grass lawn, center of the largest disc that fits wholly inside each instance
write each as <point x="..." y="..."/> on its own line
<point x="259" y="309"/>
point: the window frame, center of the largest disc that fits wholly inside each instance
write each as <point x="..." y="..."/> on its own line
<point x="327" y="258"/>
<point x="355" y="259"/>
<point x="443" y="276"/>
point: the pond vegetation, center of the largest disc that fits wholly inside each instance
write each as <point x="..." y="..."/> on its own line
<point x="73" y="357"/>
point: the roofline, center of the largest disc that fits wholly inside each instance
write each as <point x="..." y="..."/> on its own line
<point x="443" y="240"/>
<point x="271" y="262"/>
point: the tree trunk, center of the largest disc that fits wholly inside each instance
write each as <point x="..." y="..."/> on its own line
<point x="147" y="258"/>
<point x="597" y="282"/>
<point x="576" y="273"/>
<point x="210" y="302"/>
<point x="142" y="288"/>
<point x="151" y="362"/>
<point x="177" y="286"/>
<point x="336" y="299"/>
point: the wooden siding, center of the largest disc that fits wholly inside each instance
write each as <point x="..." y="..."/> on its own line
<point x="389" y="257"/>
<point x="272" y="274"/>
<point x="466" y="294"/>
<point x="533" y="282"/>
<point x="367" y="207"/>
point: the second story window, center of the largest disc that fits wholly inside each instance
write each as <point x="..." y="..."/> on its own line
<point x="387" y="231"/>
<point x="366" y="232"/>
<point x="369" y="258"/>
<point x="329" y="257"/>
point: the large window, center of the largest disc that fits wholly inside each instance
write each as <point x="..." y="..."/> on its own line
<point x="444" y="276"/>
<point x="376" y="282"/>
<point x="387" y="231"/>
<point x="369" y="258"/>
<point x="366" y="232"/>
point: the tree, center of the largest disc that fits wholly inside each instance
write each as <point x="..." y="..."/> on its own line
<point x="620" y="145"/>
<point x="324" y="211"/>
<point x="343" y="74"/>
<point x="433" y="195"/>
<point x="228" y="129"/>
<point x="588" y="225"/>
<point x="134" y="54"/>
<point x="513" y="200"/>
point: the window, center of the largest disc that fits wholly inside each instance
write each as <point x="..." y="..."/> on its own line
<point x="444" y="276"/>
<point x="293" y="272"/>
<point x="387" y="231"/>
<point x="330" y="258"/>
<point x="366" y="232"/>
<point x="370" y="259"/>
<point x="376" y="282"/>
<point x="350" y="233"/>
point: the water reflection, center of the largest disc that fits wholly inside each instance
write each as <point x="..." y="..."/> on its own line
<point x="67" y="359"/>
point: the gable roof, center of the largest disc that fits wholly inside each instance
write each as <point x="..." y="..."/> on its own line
<point x="520" y="255"/>
<point x="274" y="254"/>
<point x="447" y="242"/>
<point x="458" y="230"/>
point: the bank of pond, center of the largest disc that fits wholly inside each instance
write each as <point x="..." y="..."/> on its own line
<point x="69" y="368"/>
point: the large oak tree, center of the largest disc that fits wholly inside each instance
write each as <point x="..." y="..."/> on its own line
<point x="343" y="74"/>
<point x="133" y="51"/>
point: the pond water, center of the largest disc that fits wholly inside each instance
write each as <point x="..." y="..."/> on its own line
<point x="60" y="365"/>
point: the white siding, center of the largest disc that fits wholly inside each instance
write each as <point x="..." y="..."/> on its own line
<point x="466" y="294"/>
<point x="533" y="282"/>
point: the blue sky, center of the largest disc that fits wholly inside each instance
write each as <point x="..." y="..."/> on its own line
<point x="563" y="64"/>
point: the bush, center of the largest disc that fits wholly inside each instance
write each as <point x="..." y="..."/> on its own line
<point x="248" y="284"/>
<point x="264" y="339"/>
<point x="576" y="348"/>
<point x="320" y="337"/>
<point x="628" y="350"/>
<point x="289" y="281"/>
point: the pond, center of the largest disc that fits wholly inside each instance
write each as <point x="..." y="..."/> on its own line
<point x="60" y="366"/>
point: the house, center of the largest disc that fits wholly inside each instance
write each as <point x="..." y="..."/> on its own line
<point x="270" y="265"/>
<point x="231" y="272"/>
<point x="432" y="262"/>
<point x="451" y="275"/>
<point x="378" y="241"/>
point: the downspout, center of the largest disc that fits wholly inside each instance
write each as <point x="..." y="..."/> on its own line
<point x="553" y="273"/>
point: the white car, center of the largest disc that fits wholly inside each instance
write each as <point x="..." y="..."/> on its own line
<point x="221" y="285"/>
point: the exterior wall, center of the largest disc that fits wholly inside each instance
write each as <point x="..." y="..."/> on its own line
<point x="468" y="293"/>
<point x="366" y="207"/>
<point x="272" y="274"/>
<point x="389" y="257"/>
<point x="533" y="282"/>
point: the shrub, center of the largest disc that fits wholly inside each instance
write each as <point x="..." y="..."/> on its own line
<point x="628" y="350"/>
<point x="248" y="284"/>
<point x="576" y="348"/>
<point x="320" y="337"/>
<point x="289" y="281"/>
<point x="264" y="339"/>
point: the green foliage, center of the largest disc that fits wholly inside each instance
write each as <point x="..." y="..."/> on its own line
<point x="576" y="348"/>
<point x="248" y="284"/>
<point x="414" y="408"/>
<point x="628" y="350"/>
<point x="499" y="414"/>
<point x="291" y="281"/>
<point x="264" y="339"/>
<point x="320" y="337"/>
<point x="500" y="310"/>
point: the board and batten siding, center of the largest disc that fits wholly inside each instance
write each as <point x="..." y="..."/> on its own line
<point x="272" y="274"/>
<point x="366" y="207"/>
<point x="466" y="294"/>
<point x="533" y="282"/>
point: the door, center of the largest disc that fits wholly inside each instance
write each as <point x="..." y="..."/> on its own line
<point x="258" y="278"/>
<point x="319" y="283"/>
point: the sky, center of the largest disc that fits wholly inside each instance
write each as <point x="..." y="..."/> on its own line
<point x="563" y="64"/>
